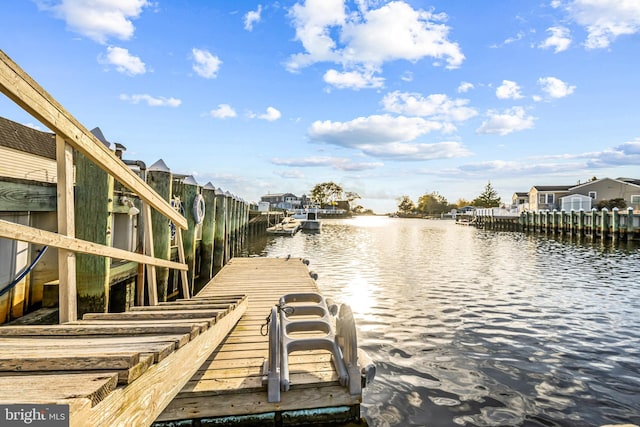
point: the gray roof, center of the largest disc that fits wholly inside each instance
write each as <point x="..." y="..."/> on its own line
<point x="553" y="187"/>
<point x="23" y="138"/>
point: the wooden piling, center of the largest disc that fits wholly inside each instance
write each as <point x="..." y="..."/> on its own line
<point x="93" y="206"/>
<point x="160" y="179"/>
<point x="186" y="189"/>
<point x="208" y="234"/>
<point x="219" y="239"/>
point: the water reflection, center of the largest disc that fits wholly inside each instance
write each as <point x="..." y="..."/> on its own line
<point x="477" y="328"/>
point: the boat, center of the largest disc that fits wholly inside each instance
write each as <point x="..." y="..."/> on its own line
<point x="289" y="225"/>
<point x="309" y="218"/>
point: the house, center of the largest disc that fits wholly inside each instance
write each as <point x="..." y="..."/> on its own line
<point x="20" y="146"/>
<point x="282" y="201"/>
<point x="627" y="189"/>
<point x="547" y="197"/>
<point x="520" y="200"/>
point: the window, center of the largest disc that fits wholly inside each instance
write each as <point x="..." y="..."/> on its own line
<point x="545" y="198"/>
<point x="635" y="201"/>
<point x="593" y="195"/>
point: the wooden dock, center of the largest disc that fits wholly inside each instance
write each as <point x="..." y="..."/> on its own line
<point x="229" y="383"/>
<point x="114" y="369"/>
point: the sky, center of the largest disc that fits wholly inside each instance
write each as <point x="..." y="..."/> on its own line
<point x="384" y="98"/>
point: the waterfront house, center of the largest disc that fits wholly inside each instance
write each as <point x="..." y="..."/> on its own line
<point x="627" y="189"/>
<point x="543" y="197"/>
<point x="282" y="201"/>
<point x="520" y="200"/>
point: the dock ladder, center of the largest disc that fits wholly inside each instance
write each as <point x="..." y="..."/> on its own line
<point x="312" y="313"/>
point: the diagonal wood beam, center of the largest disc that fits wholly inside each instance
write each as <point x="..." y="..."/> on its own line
<point x="25" y="233"/>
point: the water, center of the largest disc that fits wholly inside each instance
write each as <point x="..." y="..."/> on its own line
<point x="478" y="328"/>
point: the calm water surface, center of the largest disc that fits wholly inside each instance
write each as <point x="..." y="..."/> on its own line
<point x="476" y="328"/>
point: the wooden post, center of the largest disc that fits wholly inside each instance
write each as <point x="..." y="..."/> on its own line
<point x="94" y="195"/>
<point x="208" y="233"/>
<point x="615" y="223"/>
<point x="594" y="225"/>
<point x="67" y="292"/>
<point x="149" y="250"/>
<point x="218" y="245"/>
<point x="581" y="222"/>
<point x="186" y="189"/>
<point x="227" y="227"/>
<point x="629" y="223"/>
<point x="159" y="179"/>
<point x="604" y="224"/>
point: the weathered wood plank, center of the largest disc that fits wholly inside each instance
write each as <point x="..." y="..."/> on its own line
<point x="115" y="329"/>
<point x="54" y="361"/>
<point x="199" y="405"/>
<point x="155" y="315"/>
<point x="36" y="197"/>
<point x="61" y="386"/>
<point x="101" y="341"/>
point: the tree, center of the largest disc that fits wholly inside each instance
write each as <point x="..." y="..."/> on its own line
<point x="405" y="205"/>
<point x="488" y="198"/>
<point x="359" y="210"/>
<point x="432" y="204"/>
<point x="325" y="193"/>
<point x="613" y="203"/>
<point x="351" y="196"/>
<point x="462" y="203"/>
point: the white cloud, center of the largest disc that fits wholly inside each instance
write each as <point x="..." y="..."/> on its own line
<point x="555" y="88"/>
<point x="465" y="87"/>
<point x="251" y="18"/>
<point x="373" y="129"/>
<point x="270" y="115"/>
<point x="407" y="76"/>
<point x="605" y="20"/>
<point x="420" y="151"/>
<point x="559" y="39"/>
<point x="511" y="120"/>
<point x="124" y="62"/>
<point x="338" y="163"/>
<point x="206" y="65"/>
<point x="508" y="90"/>
<point x="386" y="136"/>
<point x="152" y="101"/>
<point x="627" y="153"/>
<point x="366" y="39"/>
<point x="224" y="111"/>
<point x="353" y="79"/>
<point x="98" y="20"/>
<point x="436" y="106"/>
<point x="290" y="174"/>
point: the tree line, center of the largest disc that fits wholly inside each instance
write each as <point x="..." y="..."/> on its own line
<point x="435" y="204"/>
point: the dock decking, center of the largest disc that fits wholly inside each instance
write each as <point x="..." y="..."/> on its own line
<point x="229" y="383"/>
<point x="114" y="369"/>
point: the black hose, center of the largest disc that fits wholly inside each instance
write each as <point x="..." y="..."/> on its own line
<point x="24" y="272"/>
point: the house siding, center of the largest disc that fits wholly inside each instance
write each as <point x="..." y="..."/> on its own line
<point x="26" y="166"/>
<point x="607" y="189"/>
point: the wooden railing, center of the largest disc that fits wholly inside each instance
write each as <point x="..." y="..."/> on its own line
<point x="70" y="134"/>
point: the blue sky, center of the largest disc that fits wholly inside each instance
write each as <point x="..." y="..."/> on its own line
<point x="385" y="98"/>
